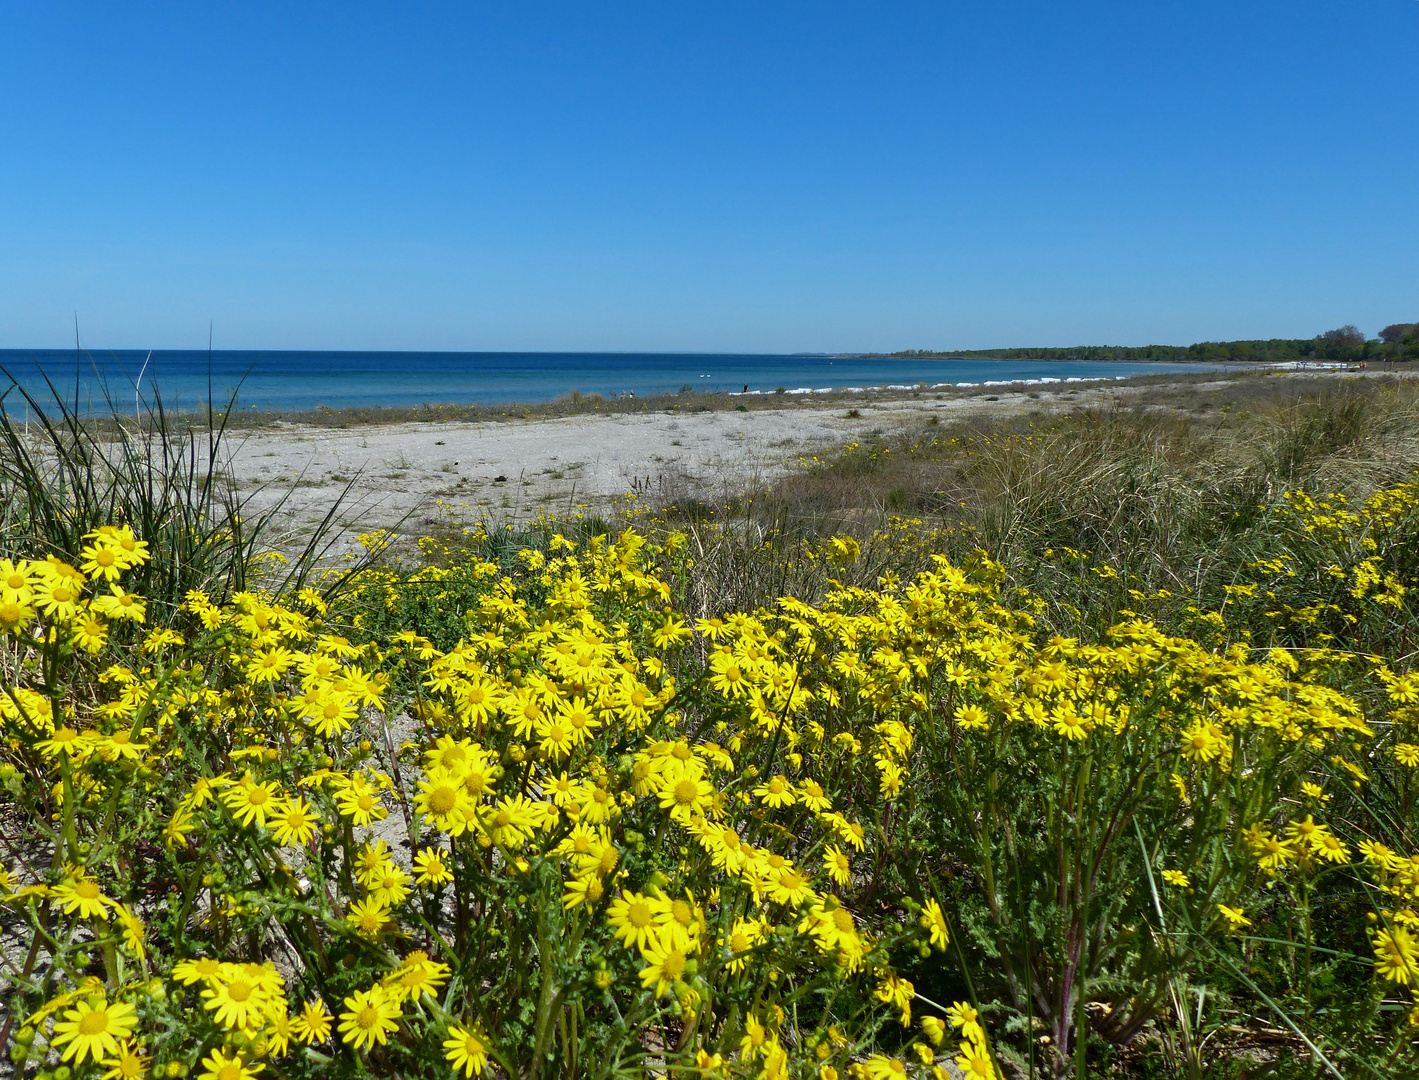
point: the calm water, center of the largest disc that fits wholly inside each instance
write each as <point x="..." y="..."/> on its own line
<point x="298" y="381"/>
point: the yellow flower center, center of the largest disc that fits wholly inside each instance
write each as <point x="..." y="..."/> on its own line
<point x="368" y="1017"/>
<point x="15" y="582"/>
<point x="682" y="912"/>
<point x="842" y="920"/>
<point x="639" y="914"/>
<point x="240" y="991"/>
<point x="257" y="796"/>
<point x="230" y="1071"/>
<point x="86" y="890"/>
<point x="442" y="800"/>
<point x="103" y="557"/>
<point x="502" y="819"/>
<point x="686" y="791"/>
<point x="94" y="1023"/>
<point x="674" y="965"/>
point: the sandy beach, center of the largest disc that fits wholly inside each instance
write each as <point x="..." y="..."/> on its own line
<point x="410" y="475"/>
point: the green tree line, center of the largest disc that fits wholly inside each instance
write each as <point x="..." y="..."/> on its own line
<point x="1399" y="341"/>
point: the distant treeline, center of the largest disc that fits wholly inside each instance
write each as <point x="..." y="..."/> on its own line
<point x="1397" y="342"/>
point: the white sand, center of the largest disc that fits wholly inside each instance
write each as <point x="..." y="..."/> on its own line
<point x="399" y="474"/>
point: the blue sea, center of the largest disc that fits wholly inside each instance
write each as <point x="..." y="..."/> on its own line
<point x="301" y="381"/>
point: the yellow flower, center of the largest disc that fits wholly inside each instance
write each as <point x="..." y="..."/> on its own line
<point x="369" y="917"/>
<point x="361" y="806"/>
<point x="776" y="792"/>
<point x="88" y="631"/>
<point x="250" y="802"/>
<point x="369" y="1016"/>
<point x="93" y="1028"/>
<point x="237" y="999"/>
<point x="632" y="916"/>
<point x="1396" y="956"/>
<point x="126" y="1063"/>
<point x="82" y="897"/>
<point x="1235" y="916"/>
<point x="466" y="1050"/>
<point x="431" y="868"/>
<point x="198" y="969"/>
<point x="268" y="665"/>
<point x="133" y="930"/>
<point x="881" y="1067"/>
<point x="415" y="977"/>
<point x="687" y="796"/>
<point x="294" y="823"/>
<point x="1176" y="878"/>
<point x="218" y="1066"/>
<point x="58" y="597"/>
<point x="1202" y="742"/>
<point x="313" y="1023"/>
<point x="933" y="921"/>
<point x="444" y="801"/>
<point x="121" y="605"/>
<point x="665" y="963"/>
<point x="974" y="1062"/>
<point x="837" y="864"/>
<point x="965" y="1019"/>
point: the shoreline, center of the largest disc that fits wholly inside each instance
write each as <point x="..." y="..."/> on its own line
<point x="691" y="402"/>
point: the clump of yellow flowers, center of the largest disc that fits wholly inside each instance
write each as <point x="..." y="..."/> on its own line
<point x="596" y="837"/>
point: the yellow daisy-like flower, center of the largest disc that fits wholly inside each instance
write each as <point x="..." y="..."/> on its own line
<point x="313" y="1024"/>
<point x="66" y="741"/>
<point x="294" y="823"/>
<point x="361" y="807"/>
<point x="218" y="1066"/>
<point x="369" y="917"/>
<point x="100" y="561"/>
<point x="466" y="1050"/>
<point x="198" y="969"/>
<point x="933" y="921"/>
<point x="443" y="799"/>
<point x="431" y="867"/>
<point x="1235" y="916"/>
<point x="1397" y="956"/>
<point x="126" y="1063"/>
<point x="665" y="963"/>
<point x="236" y="999"/>
<point x="88" y="632"/>
<point x="82" y="897"/>
<point x="632" y="916"/>
<point x="93" y="1029"/>
<point x="369" y="1016"/>
<point x="133" y="930"/>
<point x="837" y="864"/>
<point x="416" y="977"/>
<point x="776" y="791"/>
<point x="121" y="605"/>
<point x="880" y="1067"/>
<point x="251" y="802"/>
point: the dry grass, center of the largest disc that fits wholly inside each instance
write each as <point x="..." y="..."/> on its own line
<point x="1171" y="488"/>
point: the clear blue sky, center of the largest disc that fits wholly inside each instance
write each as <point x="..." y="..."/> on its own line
<point x="704" y="177"/>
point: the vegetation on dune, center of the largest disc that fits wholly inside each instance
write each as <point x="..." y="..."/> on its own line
<point x="1060" y="747"/>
